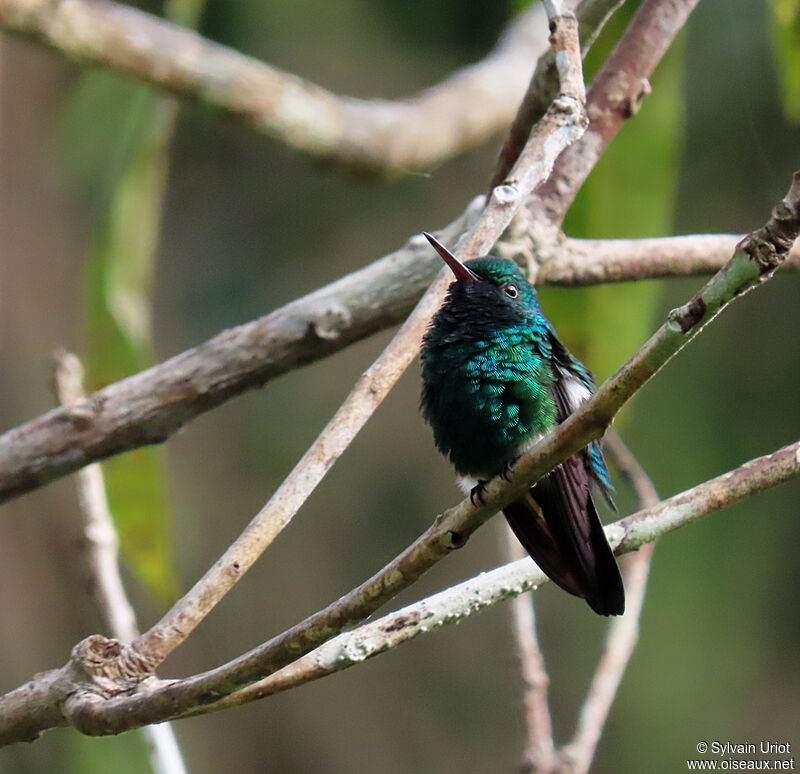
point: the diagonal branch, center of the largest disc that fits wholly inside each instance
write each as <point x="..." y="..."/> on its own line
<point x="616" y="93"/>
<point x="511" y="580"/>
<point x="592" y="16"/>
<point x="149" y="407"/>
<point x="197" y="695"/>
<point x="373" y="135"/>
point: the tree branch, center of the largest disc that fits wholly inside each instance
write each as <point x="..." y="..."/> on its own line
<point x="540" y="752"/>
<point x="373" y="135"/>
<point x="181" y="698"/>
<point x="102" y="545"/>
<point x="592" y="261"/>
<point x="615" y="95"/>
<point x="511" y="580"/>
<point x="592" y="16"/>
<point x="100" y="535"/>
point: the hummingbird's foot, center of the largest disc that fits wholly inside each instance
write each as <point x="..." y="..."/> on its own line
<point x="477" y="492"/>
<point x="507" y="469"/>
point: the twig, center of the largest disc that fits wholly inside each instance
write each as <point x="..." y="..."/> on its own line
<point x="102" y="545"/>
<point x="590" y="261"/>
<point x="195" y="695"/>
<point x="592" y="16"/>
<point x="623" y="459"/>
<point x="375" y="135"/>
<point x="151" y="406"/>
<point x="616" y="94"/>
<point x="100" y="534"/>
<point x="623" y="632"/>
<point x="565" y="124"/>
<point x="540" y="753"/>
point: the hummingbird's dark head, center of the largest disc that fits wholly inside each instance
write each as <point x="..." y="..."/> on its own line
<point x="489" y="285"/>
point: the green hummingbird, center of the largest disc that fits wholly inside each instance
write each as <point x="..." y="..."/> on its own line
<point x="495" y="379"/>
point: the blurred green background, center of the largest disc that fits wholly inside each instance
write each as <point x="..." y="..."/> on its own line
<point x="248" y="225"/>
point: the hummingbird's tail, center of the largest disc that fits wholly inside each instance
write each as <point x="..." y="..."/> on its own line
<point x="558" y="525"/>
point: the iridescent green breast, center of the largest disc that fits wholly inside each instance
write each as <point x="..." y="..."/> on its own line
<point x="484" y="398"/>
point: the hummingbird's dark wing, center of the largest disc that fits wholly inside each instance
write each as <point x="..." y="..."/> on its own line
<point x="558" y="525"/>
<point x="574" y="377"/>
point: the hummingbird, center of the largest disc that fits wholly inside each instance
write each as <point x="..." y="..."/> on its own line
<point x="495" y="379"/>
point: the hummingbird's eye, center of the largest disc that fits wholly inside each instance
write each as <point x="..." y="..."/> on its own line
<point x="511" y="290"/>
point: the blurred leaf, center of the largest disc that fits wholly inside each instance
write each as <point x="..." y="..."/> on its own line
<point x="786" y="44"/>
<point x="118" y="281"/>
<point x="121" y="135"/>
<point x="630" y="193"/>
<point x="96" y="121"/>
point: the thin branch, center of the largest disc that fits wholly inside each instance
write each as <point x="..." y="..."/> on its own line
<point x="100" y="534"/>
<point x="592" y="16"/>
<point x="375" y="135"/>
<point x="591" y="261"/>
<point x="561" y="125"/>
<point x="615" y="95"/>
<point x="179" y="699"/>
<point x="540" y="753"/>
<point x="151" y="406"/>
<point x="102" y="543"/>
<point x="623" y="634"/>
<point x="623" y="631"/>
<point x="623" y="459"/>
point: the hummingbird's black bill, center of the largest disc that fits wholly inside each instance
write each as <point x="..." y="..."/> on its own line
<point x="458" y="268"/>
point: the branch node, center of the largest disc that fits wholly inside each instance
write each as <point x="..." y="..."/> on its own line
<point x="105" y="667"/>
<point x="505" y="195"/>
<point x="452" y="541"/>
<point x="688" y="315"/>
<point x="769" y="246"/>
